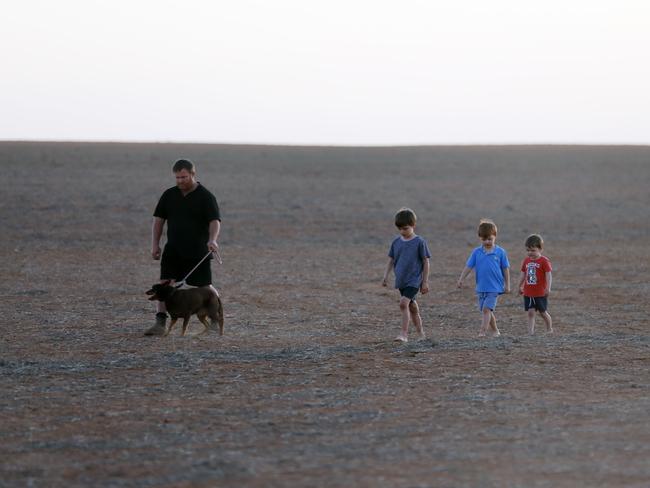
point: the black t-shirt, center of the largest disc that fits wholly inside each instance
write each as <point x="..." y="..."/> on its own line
<point x="188" y="220"/>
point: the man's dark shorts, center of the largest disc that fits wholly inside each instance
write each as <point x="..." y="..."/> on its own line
<point x="175" y="268"/>
<point x="538" y="303"/>
<point x="409" y="292"/>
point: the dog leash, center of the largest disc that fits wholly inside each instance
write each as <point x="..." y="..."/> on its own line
<point x="217" y="255"/>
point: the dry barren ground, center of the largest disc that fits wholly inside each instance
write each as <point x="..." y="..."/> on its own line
<point x="306" y="388"/>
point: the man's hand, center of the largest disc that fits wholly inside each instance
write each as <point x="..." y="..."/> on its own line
<point x="156" y="252"/>
<point x="424" y="289"/>
<point x="459" y="284"/>
<point x="384" y="282"/>
<point x="213" y="247"/>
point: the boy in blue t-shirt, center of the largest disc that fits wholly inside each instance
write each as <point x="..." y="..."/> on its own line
<point x="409" y="257"/>
<point x="492" y="271"/>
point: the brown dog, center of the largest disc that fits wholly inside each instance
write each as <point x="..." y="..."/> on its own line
<point x="185" y="303"/>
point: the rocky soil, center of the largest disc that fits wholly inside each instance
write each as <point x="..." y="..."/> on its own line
<point x="306" y="388"/>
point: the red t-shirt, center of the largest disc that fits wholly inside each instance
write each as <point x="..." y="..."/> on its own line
<point x="535" y="276"/>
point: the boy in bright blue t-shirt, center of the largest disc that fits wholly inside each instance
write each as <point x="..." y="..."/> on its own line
<point x="409" y="256"/>
<point x="492" y="270"/>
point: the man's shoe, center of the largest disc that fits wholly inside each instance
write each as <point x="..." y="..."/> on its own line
<point x="160" y="328"/>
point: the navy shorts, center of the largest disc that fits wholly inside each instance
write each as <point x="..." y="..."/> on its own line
<point x="409" y="292"/>
<point x="537" y="303"/>
<point x="173" y="267"/>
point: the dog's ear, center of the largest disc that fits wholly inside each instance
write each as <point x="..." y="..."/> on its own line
<point x="150" y="292"/>
<point x="166" y="282"/>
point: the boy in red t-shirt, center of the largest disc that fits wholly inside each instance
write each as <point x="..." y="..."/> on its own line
<point x="535" y="282"/>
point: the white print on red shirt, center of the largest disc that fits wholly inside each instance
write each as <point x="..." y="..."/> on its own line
<point x="531" y="273"/>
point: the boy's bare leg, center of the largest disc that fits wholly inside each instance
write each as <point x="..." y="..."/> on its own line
<point x="417" y="319"/>
<point x="548" y="320"/>
<point x="531" y="321"/>
<point x="406" y="318"/>
<point x="486" y="316"/>
<point x="493" y="325"/>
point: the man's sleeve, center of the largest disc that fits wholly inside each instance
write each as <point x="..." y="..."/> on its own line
<point x="212" y="209"/>
<point x="161" y="208"/>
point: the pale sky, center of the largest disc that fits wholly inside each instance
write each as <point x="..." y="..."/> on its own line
<point x="349" y="72"/>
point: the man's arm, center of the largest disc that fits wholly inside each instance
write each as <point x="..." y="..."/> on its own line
<point x="215" y="227"/>
<point x="156" y="234"/>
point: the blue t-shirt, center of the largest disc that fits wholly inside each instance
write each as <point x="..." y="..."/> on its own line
<point x="408" y="257"/>
<point x="488" y="268"/>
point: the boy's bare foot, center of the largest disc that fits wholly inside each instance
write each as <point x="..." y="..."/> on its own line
<point x="420" y="332"/>
<point x="550" y="331"/>
<point x="496" y="334"/>
<point x="401" y="338"/>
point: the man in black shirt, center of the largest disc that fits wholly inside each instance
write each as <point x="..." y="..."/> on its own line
<point x="193" y="224"/>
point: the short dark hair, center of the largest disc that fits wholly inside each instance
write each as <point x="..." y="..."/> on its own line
<point x="182" y="164"/>
<point x="405" y="217"/>
<point x="487" y="228"/>
<point x="535" y="240"/>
